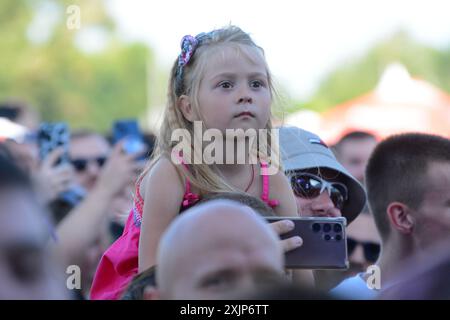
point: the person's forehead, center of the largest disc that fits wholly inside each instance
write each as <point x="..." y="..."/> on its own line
<point x="226" y="234"/>
<point x="221" y="227"/>
<point x="437" y="179"/>
<point x="214" y="240"/>
<point x="91" y="144"/>
<point x="358" y="145"/>
<point x="233" y="257"/>
<point x="229" y="58"/>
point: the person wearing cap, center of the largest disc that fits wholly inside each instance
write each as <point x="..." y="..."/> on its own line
<point x="322" y="188"/>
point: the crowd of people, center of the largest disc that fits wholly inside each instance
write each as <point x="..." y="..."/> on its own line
<point x="165" y="229"/>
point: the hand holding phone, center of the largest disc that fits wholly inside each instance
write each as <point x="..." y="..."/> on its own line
<point x="51" y="136"/>
<point x="282" y="227"/>
<point x="53" y="141"/>
<point x="324" y="243"/>
<point x="128" y="131"/>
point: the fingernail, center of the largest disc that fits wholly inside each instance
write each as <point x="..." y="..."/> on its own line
<point x="289" y="224"/>
<point x="298" y="241"/>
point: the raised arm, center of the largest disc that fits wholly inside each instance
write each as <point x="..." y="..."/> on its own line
<point x="80" y="228"/>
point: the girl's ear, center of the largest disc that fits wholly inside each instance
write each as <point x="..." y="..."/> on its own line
<point x="184" y="103"/>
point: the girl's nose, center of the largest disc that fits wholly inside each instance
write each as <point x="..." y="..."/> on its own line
<point x="245" y="99"/>
<point x="244" y="95"/>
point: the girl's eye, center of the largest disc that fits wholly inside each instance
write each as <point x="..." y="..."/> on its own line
<point x="256" y="84"/>
<point x="226" y="85"/>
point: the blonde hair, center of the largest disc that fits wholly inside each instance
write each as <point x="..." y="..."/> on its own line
<point x="206" y="178"/>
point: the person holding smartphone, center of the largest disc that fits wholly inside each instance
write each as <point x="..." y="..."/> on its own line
<point x="321" y="185"/>
<point x="107" y="174"/>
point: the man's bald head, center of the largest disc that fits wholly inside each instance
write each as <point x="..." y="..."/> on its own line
<point x="217" y="249"/>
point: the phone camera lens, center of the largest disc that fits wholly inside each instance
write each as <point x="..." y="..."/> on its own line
<point x="337" y="228"/>
<point x="327" y="237"/>
<point x="316" y="227"/>
<point x="338" y="237"/>
<point x="326" y="227"/>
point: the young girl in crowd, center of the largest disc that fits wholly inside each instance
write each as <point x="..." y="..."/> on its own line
<point x="221" y="79"/>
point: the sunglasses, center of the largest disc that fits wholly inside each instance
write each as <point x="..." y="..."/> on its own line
<point x="81" y="164"/>
<point x="371" y="249"/>
<point x="310" y="186"/>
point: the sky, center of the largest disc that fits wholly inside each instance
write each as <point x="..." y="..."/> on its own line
<point x="303" y="40"/>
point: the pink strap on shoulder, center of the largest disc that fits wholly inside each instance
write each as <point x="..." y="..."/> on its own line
<point x="138" y="189"/>
<point x="266" y="186"/>
<point x="138" y="203"/>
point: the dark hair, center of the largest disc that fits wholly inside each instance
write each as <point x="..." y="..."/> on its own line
<point x="256" y="204"/>
<point x="11" y="175"/>
<point x="5" y="152"/>
<point x="135" y="290"/>
<point x="11" y="110"/>
<point x="356" y="135"/>
<point x="395" y="167"/>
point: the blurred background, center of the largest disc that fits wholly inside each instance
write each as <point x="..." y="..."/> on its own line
<point x="379" y="66"/>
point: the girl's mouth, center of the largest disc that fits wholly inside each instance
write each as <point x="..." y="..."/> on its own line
<point x="245" y="113"/>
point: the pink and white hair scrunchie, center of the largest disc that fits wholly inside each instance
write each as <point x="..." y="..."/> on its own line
<point x="188" y="46"/>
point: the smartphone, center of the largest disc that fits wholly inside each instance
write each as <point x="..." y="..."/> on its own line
<point x="51" y="136"/>
<point x="128" y="129"/>
<point x="324" y="243"/>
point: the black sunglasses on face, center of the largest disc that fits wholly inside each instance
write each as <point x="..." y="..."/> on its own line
<point x="371" y="249"/>
<point x="81" y="164"/>
<point x="310" y="186"/>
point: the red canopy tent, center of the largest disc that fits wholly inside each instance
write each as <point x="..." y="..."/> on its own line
<point x="398" y="104"/>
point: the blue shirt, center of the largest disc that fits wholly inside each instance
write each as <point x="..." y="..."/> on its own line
<point x="354" y="288"/>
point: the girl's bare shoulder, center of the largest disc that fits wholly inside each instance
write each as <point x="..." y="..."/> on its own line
<point x="163" y="173"/>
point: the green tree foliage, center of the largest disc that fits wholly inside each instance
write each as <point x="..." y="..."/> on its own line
<point x="361" y="75"/>
<point x="64" y="82"/>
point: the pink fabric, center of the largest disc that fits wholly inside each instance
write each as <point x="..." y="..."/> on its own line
<point x="119" y="264"/>
<point x="266" y="187"/>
